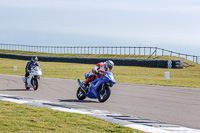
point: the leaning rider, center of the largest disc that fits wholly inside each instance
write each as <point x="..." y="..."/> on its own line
<point x="33" y="61"/>
<point x="98" y="71"/>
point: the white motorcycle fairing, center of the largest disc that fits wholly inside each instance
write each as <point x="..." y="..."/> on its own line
<point x="35" y="73"/>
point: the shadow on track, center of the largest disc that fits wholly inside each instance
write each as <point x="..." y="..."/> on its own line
<point x="15" y="90"/>
<point x="77" y="101"/>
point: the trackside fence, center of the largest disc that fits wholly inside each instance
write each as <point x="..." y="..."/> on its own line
<point x="100" y="50"/>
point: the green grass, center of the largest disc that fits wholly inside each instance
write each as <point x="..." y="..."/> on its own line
<point x="187" y="77"/>
<point x="23" y="118"/>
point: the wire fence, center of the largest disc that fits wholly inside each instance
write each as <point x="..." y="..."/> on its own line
<point x="100" y="50"/>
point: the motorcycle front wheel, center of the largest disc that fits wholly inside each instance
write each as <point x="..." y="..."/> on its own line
<point x="35" y="85"/>
<point x="80" y="94"/>
<point x="104" y="94"/>
<point x="26" y="86"/>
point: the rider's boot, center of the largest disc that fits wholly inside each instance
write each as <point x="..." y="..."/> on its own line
<point x="25" y="80"/>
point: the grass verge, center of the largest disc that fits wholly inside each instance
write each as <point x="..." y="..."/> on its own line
<point x="187" y="77"/>
<point x="23" y="118"/>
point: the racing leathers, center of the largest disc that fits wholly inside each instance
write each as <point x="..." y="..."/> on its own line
<point x="97" y="72"/>
<point x="28" y="68"/>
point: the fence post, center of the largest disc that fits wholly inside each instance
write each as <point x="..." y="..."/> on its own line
<point x="67" y="50"/>
<point x="77" y="52"/>
<point x="193" y="58"/>
<point x="139" y="50"/>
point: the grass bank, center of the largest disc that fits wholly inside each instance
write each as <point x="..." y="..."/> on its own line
<point x="23" y="118"/>
<point x="89" y="55"/>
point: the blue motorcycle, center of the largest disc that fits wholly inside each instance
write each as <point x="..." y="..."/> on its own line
<point x="98" y="88"/>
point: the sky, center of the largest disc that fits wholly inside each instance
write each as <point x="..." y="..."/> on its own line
<point x="168" y="24"/>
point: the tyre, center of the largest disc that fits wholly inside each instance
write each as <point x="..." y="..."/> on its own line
<point x="26" y="86"/>
<point x="104" y="94"/>
<point x="80" y="94"/>
<point x="35" y="86"/>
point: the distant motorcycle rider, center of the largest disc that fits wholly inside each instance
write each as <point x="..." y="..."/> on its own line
<point x="98" y="71"/>
<point x="33" y="61"/>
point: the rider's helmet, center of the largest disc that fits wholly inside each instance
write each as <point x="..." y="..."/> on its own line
<point x="109" y="65"/>
<point x="34" y="59"/>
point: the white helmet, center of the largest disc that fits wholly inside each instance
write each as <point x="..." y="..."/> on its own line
<point x="109" y="65"/>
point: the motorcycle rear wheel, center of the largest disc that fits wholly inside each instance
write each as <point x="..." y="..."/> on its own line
<point x="104" y="95"/>
<point x="80" y="94"/>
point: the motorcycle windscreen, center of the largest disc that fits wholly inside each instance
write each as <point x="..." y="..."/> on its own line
<point x="111" y="77"/>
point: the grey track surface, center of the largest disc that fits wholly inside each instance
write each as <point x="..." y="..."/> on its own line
<point x="175" y="105"/>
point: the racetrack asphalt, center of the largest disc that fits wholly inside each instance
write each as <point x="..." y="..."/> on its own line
<point x="175" y="105"/>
